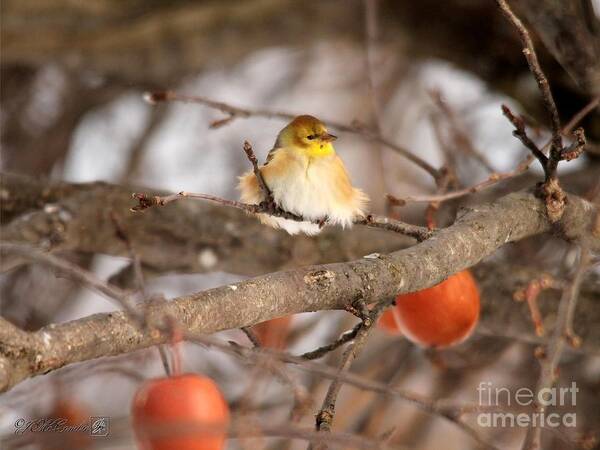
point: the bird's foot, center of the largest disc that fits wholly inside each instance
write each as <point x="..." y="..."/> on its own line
<point x="322" y="221"/>
<point x="270" y="207"/>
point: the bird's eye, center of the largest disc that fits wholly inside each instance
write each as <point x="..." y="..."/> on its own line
<point x="310" y="137"/>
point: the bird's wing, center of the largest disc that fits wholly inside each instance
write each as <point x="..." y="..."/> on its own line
<point x="276" y="146"/>
<point x="271" y="154"/>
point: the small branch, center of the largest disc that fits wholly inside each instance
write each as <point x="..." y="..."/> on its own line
<point x="575" y="150"/>
<point x="301" y="397"/>
<point x="385" y="223"/>
<point x="566" y="154"/>
<point x="261" y="181"/>
<point x="122" y="235"/>
<point x="252" y="337"/>
<point x="569" y="333"/>
<point x="495" y="178"/>
<point x="540" y="77"/>
<point x="521" y="134"/>
<point x="234" y="112"/>
<point x="448" y="179"/>
<point x="580" y="115"/>
<point x="462" y="139"/>
<point x="550" y="356"/>
<point x="492" y="180"/>
<point x="530" y="293"/>
<point x="325" y="349"/>
<point x="75" y="272"/>
<point x="326" y="414"/>
<point x="551" y="190"/>
<point x="147" y="201"/>
<point x="374" y="115"/>
<point x="445" y="409"/>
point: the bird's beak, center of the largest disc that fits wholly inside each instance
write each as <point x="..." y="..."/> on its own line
<point x="326" y="137"/>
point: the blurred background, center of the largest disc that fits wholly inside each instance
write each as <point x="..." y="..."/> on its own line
<point x="428" y="76"/>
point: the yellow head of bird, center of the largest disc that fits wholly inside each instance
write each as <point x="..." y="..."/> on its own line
<point x="308" y="134"/>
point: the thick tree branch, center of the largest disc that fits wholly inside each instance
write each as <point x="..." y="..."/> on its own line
<point x="478" y="233"/>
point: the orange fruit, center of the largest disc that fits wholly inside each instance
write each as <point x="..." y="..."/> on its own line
<point x="183" y="412"/>
<point x="273" y="333"/>
<point x="442" y="315"/>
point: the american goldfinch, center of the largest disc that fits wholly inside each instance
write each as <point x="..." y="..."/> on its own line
<point x="306" y="178"/>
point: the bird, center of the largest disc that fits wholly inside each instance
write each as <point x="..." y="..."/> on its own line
<point x="307" y="178"/>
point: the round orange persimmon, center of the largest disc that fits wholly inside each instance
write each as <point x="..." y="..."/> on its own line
<point x="183" y="412"/>
<point x="273" y="333"/>
<point x="440" y="316"/>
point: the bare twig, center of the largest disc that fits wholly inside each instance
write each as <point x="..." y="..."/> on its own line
<point x="146" y="201"/>
<point x="172" y="367"/>
<point x="461" y="138"/>
<point x="326" y="414"/>
<point x="495" y="178"/>
<point x="521" y="134"/>
<point x="584" y="264"/>
<point x="234" y="112"/>
<point x="550" y="356"/>
<point x="536" y="70"/>
<point x="140" y="145"/>
<point x="164" y="359"/>
<point x="325" y="349"/>
<point x="490" y="181"/>
<point x="448" y="178"/>
<point x="371" y="38"/>
<point x="122" y="235"/>
<point x="75" y="272"/>
<point x="448" y="410"/>
<point x="261" y="181"/>
<point x="580" y="115"/>
<point x="530" y="293"/>
<point x="566" y="154"/>
<point x="386" y="223"/>
<point x="550" y="190"/>
<point x="252" y="337"/>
